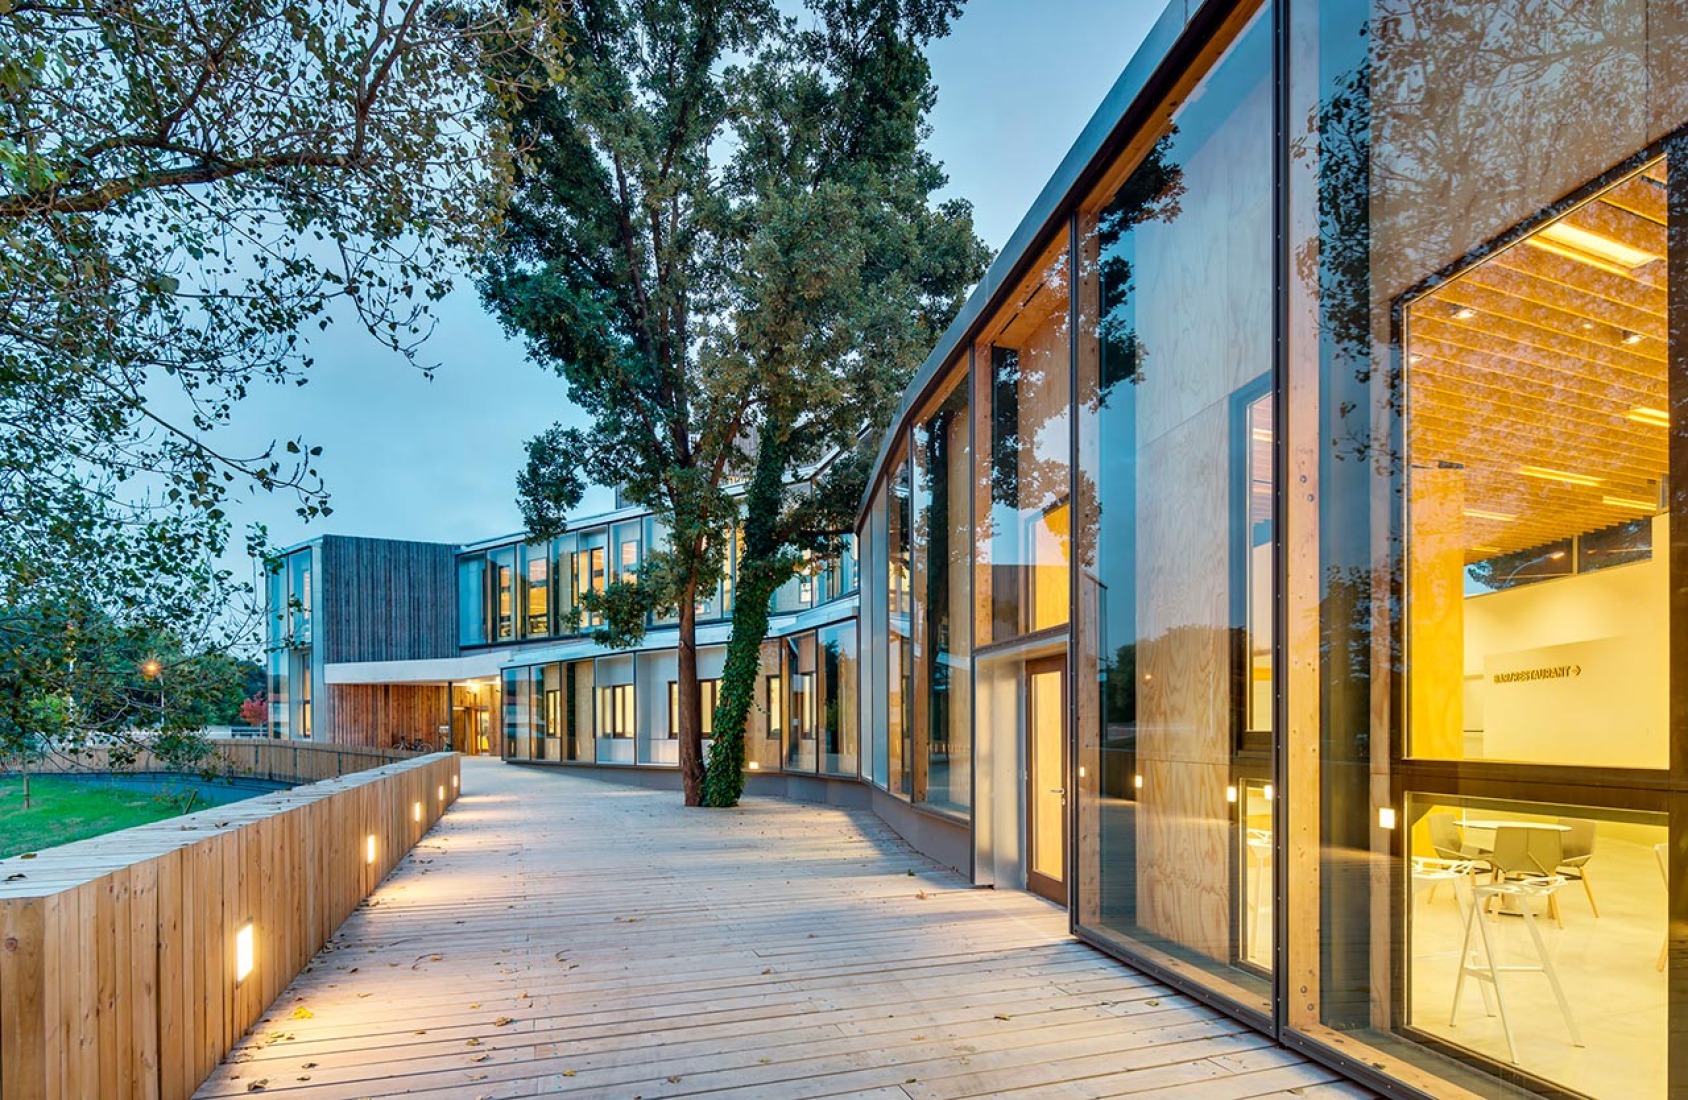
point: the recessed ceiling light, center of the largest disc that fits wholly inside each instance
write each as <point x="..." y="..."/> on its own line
<point x="1545" y="474"/>
<point x="1499" y="517"/>
<point x="1641" y="414"/>
<point x="1632" y="337"/>
<point x="1464" y="313"/>
<point x="1585" y="246"/>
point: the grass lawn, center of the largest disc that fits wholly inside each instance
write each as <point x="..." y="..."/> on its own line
<point x="63" y="810"/>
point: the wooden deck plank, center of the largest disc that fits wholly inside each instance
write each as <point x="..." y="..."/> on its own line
<point x="561" y="935"/>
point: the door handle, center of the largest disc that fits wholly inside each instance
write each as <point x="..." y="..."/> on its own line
<point x="1058" y="790"/>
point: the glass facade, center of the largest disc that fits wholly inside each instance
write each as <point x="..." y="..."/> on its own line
<point x="288" y="643"/>
<point x="1175" y="482"/>
<point x="1321" y="445"/>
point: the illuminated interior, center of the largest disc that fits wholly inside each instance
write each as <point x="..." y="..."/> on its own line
<point x="1537" y="634"/>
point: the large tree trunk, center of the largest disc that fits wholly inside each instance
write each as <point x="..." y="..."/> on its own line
<point x="691" y="720"/>
<point x="762" y="569"/>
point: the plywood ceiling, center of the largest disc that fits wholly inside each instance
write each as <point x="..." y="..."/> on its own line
<point x="1538" y="357"/>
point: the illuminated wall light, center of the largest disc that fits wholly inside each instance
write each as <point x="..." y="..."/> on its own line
<point x="1557" y="555"/>
<point x="442" y="792"/>
<point x="1137" y="781"/>
<point x="369" y="848"/>
<point x="454" y="782"/>
<point x="1542" y="473"/>
<point x="1627" y="502"/>
<point x="1386" y="817"/>
<point x="1230" y="794"/>
<point x="1081" y="771"/>
<point x="1267" y="791"/>
<point x="1498" y="517"/>
<point x="1641" y="414"/>
<point x="416" y="812"/>
<point x="754" y="766"/>
<point x="245" y="952"/>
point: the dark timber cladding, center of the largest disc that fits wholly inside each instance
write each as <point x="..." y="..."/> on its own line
<point x="386" y="600"/>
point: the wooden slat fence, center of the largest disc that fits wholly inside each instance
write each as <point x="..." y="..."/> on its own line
<point x="118" y="954"/>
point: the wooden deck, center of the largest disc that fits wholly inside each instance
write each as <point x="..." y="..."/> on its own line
<point x="558" y="934"/>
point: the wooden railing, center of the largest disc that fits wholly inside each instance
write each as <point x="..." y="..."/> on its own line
<point x="280" y="761"/>
<point x="121" y="956"/>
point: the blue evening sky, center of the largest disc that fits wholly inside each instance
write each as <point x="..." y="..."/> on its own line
<point x="435" y="460"/>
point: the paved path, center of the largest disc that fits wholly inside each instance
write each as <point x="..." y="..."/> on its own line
<point x="559" y="934"/>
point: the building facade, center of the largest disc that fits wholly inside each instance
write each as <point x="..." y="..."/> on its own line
<point x="1275" y="564"/>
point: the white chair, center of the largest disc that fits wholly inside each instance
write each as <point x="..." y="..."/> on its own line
<point x="1523" y="859"/>
<point x="1578" y="843"/>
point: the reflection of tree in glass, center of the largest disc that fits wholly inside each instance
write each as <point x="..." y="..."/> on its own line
<point x="1151" y="193"/>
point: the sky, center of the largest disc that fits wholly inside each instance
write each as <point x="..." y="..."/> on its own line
<point x="410" y="457"/>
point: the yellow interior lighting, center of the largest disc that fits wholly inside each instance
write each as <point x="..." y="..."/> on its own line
<point x="1498" y="517"/>
<point x="1631" y="502"/>
<point x="1587" y="247"/>
<point x="1657" y="418"/>
<point x="1544" y="474"/>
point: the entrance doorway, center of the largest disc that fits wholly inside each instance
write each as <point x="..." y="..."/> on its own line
<point x="1046" y="778"/>
<point x="471" y="719"/>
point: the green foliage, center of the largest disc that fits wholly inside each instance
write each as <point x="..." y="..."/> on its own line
<point x="851" y="276"/>
<point x="187" y="188"/>
<point x="723" y="229"/>
<point x="73" y="677"/>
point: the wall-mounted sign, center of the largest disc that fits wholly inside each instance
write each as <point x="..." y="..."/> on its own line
<point x="1551" y="672"/>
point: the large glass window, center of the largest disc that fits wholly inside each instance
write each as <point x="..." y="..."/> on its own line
<point x="1176" y="488"/>
<point x="1486" y="215"/>
<point x="471" y="600"/>
<point x="942" y="616"/>
<point x="502" y="563"/>
<point x="536" y="595"/>
<point x="616" y="712"/>
<point x="1024" y="486"/>
<point x="838" y="699"/>
<point x="899" y="602"/>
<point x="800" y="747"/>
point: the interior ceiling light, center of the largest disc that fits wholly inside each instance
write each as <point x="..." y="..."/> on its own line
<point x="1499" y="517"/>
<point x="1587" y="247"/>
<point x="1545" y="474"/>
<point x="1632" y="337"/>
<point x="1464" y="313"/>
<point x="1486" y="549"/>
<point x="1641" y="414"/>
<point x="1630" y="502"/>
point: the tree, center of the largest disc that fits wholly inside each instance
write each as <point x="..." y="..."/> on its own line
<point x="666" y="191"/>
<point x="255" y="711"/>
<point x="612" y="267"/>
<point x="185" y="186"/>
<point x="851" y="275"/>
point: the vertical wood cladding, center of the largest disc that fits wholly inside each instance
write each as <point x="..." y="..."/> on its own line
<point x="386" y="600"/>
<point x="375" y="715"/>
